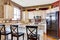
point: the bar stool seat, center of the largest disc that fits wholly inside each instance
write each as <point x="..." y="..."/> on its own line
<point x="19" y="34"/>
<point x="34" y="36"/>
<point x="7" y="33"/>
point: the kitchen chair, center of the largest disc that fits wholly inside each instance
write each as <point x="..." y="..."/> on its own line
<point x="32" y="32"/>
<point x="4" y="32"/>
<point x="15" y="33"/>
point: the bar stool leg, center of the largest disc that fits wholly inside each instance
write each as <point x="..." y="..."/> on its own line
<point x="17" y="38"/>
<point x="5" y="37"/>
<point x="23" y="37"/>
<point x="0" y="37"/>
<point x="38" y="38"/>
<point x="11" y="37"/>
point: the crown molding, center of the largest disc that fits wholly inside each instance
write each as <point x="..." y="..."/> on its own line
<point x="15" y="4"/>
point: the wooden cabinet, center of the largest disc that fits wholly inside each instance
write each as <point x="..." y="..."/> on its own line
<point x="1" y="8"/>
<point x="59" y="24"/>
<point x="59" y="19"/>
<point x="2" y="3"/>
<point x="1" y="11"/>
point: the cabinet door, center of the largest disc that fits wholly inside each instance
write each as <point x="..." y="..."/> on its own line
<point x="1" y="8"/>
<point x="1" y="11"/>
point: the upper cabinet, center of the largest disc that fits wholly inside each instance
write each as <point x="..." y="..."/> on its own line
<point x="1" y="8"/>
<point x="1" y="2"/>
<point x="52" y="10"/>
<point x="8" y="11"/>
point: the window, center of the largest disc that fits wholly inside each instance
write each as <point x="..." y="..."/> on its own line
<point x="16" y="14"/>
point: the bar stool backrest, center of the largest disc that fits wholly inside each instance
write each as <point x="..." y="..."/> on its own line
<point x="2" y="28"/>
<point x="14" y="29"/>
<point x="31" y="31"/>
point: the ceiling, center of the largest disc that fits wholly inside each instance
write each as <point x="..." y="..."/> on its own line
<point x="26" y="3"/>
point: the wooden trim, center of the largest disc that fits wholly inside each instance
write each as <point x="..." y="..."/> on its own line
<point x="7" y="2"/>
<point x="31" y="9"/>
<point x="15" y="4"/>
<point x="34" y="9"/>
<point x="1" y="11"/>
<point x="41" y="6"/>
<point x="59" y="20"/>
<point x="55" y="4"/>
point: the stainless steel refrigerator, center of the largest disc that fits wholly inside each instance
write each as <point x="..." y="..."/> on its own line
<point x="52" y="24"/>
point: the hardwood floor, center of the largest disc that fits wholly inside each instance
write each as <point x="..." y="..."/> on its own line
<point x="49" y="37"/>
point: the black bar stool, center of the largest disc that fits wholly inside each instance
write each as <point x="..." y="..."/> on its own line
<point x="15" y="33"/>
<point x="32" y="33"/>
<point x="4" y="32"/>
